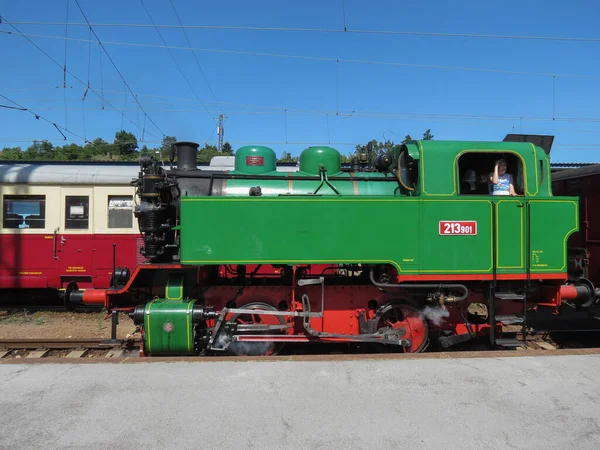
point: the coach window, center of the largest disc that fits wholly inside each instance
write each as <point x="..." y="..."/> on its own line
<point x="475" y="170"/>
<point x="24" y="211"/>
<point x="120" y="211"/>
<point x="77" y="212"/>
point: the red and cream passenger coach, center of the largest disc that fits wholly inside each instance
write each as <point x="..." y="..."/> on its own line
<point x="66" y="224"/>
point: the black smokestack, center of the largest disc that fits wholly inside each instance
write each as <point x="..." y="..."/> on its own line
<point x="187" y="154"/>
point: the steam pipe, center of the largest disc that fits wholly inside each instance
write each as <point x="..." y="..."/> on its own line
<point x="462" y="287"/>
<point x="226" y="176"/>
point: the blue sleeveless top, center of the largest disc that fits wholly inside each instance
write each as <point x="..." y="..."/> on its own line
<point x="502" y="187"/>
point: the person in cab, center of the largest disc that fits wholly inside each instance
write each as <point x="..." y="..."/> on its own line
<point x="501" y="181"/>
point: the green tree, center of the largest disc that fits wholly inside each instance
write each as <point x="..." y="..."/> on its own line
<point x="126" y="144"/>
<point x="286" y="157"/>
<point x="407" y="138"/>
<point x="70" y="152"/>
<point x="347" y="158"/>
<point x="427" y="136"/>
<point x="206" y="153"/>
<point x="100" y="150"/>
<point x="11" y="153"/>
<point x="43" y="150"/>
<point x="227" y="148"/>
<point x="165" y="147"/>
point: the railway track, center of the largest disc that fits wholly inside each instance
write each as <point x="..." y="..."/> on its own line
<point x="67" y="348"/>
<point x="128" y="350"/>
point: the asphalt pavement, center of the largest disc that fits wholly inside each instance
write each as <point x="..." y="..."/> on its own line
<point x="550" y="402"/>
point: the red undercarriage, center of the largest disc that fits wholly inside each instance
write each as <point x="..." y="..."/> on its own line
<point x="345" y="307"/>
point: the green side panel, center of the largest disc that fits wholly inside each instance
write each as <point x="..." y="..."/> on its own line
<point x="332" y="230"/>
<point x="552" y="222"/>
<point x="174" y="289"/>
<point x="510" y="235"/>
<point x="448" y="253"/>
<point x="296" y="230"/>
<point x="168" y="328"/>
<point x="404" y="232"/>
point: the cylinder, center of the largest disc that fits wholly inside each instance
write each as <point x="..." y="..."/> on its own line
<point x="187" y="154"/>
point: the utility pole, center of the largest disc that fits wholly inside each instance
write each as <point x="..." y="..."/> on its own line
<point x="220" y="131"/>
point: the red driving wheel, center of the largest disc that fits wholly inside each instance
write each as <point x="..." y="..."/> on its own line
<point x="401" y="315"/>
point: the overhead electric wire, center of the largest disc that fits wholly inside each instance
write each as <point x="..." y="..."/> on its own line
<point x="333" y="30"/>
<point x="38" y="117"/>
<point x="325" y="58"/>
<point x="267" y="109"/>
<point x="194" y="54"/>
<point x="176" y="63"/>
<point x="114" y="65"/>
<point x="349" y="61"/>
<point x="430" y="118"/>
<point x="69" y="72"/>
<point x="13" y="107"/>
<point x="282" y="109"/>
<point x="373" y="114"/>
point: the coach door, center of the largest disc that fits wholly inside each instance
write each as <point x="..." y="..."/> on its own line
<point x="510" y="234"/>
<point x="74" y="243"/>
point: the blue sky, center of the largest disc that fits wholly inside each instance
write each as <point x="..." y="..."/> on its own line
<point x="290" y="103"/>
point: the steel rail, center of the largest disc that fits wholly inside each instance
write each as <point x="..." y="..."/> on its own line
<point x="55" y="344"/>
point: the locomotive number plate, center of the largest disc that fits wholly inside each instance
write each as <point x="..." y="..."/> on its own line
<point x="448" y="228"/>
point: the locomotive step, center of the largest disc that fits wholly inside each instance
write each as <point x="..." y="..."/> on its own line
<point x="510" y="342"/>
<point x="510" y="319"/>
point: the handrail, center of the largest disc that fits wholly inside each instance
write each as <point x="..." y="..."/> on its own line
<point x="54" y="244"/>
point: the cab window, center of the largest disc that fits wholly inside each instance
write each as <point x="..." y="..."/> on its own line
<point x="475" y="170"/>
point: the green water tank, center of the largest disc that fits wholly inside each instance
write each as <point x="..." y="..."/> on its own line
<point x="255" y="160"/>
<point x="313" y="158"/>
